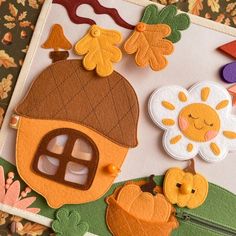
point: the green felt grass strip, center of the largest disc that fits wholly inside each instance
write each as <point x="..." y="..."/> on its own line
<point x="168" y="15"/>
<point x="219" y="208"/>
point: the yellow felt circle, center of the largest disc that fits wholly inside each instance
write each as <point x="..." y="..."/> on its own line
<point x="199" y="122"/>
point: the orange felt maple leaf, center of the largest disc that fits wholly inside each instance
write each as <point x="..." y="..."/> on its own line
<point x="150" y="45"/>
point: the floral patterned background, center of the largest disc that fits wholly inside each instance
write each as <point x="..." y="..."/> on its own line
<point x="17" y="22"/>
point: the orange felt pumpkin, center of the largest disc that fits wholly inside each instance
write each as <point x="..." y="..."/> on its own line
<point x="185" y="187"/>
<point x="139" y="213"/>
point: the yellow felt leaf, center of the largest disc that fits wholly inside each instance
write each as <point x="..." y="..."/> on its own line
<point x="214" y="5"/>
<point x="150" y="45"/>
<point x="100" y="49"/>
<point x="13" y="10"/>
<point x="6" y="60"/>
<point x="195" y="6"/>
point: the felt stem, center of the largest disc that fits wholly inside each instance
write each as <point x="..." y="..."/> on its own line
<point x="150" y="186"/>
<point x="191" y="167"/>
<point x="58" y="55"/>
<point x="72" y="5"/>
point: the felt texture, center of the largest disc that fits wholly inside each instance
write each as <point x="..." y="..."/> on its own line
<point x="66" y="91"/>
<point x="67" y="156"/>
<point x="133" y="212"/>
<point x="168" y="15"/>
<point x="149" y="45"/>
<point x="228" y="73"/>
<point x="56" y="39"/>
<point x="57" y="194"/>
<point x="198" y="123"/>
<point x="232" y="91"/>
<point x="69" y="223"/>
<point x="220" y="207"/>
<point x="184" y="188"/>
<point x="229" y="49"/>
<point x="100" y="49"/>
<point x="72" y="5"/>
<point x="144" y="205"/>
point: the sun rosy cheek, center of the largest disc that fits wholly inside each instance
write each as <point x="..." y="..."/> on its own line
<point x="183" y="123"/>
<point x="210" y="135"/>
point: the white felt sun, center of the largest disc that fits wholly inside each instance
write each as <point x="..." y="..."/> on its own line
<point x="195" y="121"/>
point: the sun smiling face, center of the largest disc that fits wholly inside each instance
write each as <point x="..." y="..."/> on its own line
<point x="197" y="121"/>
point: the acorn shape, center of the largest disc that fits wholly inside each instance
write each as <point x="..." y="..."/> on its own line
<point x="7" y="38"/>
<point x="75" y="125"/>
<point x="23" y="34"/>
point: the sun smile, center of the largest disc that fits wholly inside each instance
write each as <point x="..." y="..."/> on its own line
<point x="195" y="126"/>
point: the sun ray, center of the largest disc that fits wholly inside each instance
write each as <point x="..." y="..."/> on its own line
<point x="205" y="93"/>
<point x="222" y="104"/>
<point x="182" y="97"/>
<point x="168" y="122"/>
<point x="189" y="147"/>
<point x="215" y="149"/>
<point x="175" y="139"/>
<point x="168" y="105"/>
<point x="229" y="134"/>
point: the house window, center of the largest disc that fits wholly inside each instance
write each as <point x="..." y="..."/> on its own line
<point x="67" y="156"/>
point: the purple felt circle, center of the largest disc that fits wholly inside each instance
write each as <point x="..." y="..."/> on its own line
<point x="228" y="73"/>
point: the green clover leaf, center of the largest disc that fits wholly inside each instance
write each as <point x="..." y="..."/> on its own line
<point x="69" y="223"/>
<point x="168" y="15"/>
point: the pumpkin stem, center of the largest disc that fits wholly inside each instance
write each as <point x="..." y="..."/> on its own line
<point x="191" y="167"/>
<point x="149" y="186"/>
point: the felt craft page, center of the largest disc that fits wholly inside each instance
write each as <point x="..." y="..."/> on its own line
<point x="195" y="59"/>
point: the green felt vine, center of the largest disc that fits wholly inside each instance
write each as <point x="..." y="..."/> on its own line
<point x="69" y="223"/>
<point x="168" y="15"/>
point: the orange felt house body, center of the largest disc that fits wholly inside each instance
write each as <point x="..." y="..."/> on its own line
<point x="74" y="132"/>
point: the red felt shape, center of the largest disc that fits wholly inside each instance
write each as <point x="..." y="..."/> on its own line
<point x="229" y="49"/>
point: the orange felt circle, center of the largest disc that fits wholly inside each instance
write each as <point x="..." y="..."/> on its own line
<point x="199" y="122"/>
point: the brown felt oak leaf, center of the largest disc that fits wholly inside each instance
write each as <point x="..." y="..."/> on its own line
<point x="6" y="60"/>
<point x="100" y="49"/>
<point x="150" y="45"/>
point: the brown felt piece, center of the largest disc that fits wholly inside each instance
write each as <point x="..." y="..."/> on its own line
<point x="66" y="91"/>
<point x="67" y="156"/>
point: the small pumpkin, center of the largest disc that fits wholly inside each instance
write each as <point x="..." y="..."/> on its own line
<point x="140" y="212"/>
<point x="186" y="188"/>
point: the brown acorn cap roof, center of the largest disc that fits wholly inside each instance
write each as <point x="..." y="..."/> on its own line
<point x="66" y="91"/>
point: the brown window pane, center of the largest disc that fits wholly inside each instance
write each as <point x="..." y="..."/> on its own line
<point x="48" y="165"/>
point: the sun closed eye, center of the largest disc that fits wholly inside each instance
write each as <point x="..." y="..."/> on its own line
<point x="193" y="117"/>
<point x="208" y="124"/>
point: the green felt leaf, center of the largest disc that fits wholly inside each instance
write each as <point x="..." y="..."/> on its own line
<point x="149" y="15"/>
<point x="69" y="223"/>
<point x="168" y="15"/>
